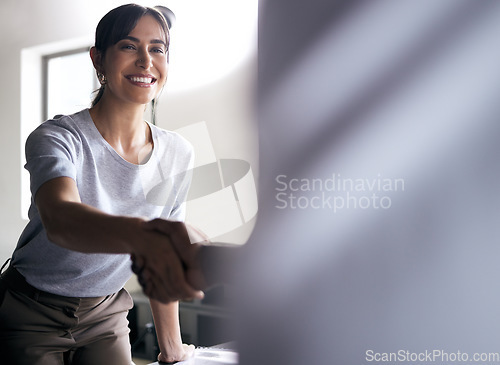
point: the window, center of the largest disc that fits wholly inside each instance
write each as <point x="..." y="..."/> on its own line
<point x="69" y="80"/>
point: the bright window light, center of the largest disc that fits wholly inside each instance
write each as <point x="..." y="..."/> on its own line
<point x="209" y="40"/>
<point x="70" y="83"/>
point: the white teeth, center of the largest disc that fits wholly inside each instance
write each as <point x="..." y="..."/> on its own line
<point x="143" y="80"/>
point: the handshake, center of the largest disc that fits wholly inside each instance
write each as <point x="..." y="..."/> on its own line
<point x="175" y="261"/>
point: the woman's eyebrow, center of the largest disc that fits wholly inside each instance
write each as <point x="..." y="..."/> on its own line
<point x="153" y="41"/>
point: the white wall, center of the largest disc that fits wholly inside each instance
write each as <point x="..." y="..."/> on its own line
<point x="225" y="105"/>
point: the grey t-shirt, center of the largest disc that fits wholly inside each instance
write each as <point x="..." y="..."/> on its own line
<point x="72" y="146"/>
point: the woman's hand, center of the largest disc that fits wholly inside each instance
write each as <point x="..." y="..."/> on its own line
<point x="160" y="266"/>
<point x="204" y="263"/>
<point x="187" y="241"/>
<point x="182" y="353"/>
<point x="168" y="332"/>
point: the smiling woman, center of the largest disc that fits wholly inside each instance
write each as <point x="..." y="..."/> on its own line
<point x="137" y="49"/>
<point x="89" y="213"/>
<point x="133" y="70"/>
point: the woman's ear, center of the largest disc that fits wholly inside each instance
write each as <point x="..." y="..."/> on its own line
<point x="96" y="57"/>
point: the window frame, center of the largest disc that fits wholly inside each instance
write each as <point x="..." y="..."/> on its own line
<point x="45" y="75"/>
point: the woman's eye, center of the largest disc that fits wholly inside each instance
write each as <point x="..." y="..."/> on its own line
<point x="158" y="50"/>
<point x="128" y="46"/>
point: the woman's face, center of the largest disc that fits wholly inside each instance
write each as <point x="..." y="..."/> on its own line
<point x="136" y="67"/>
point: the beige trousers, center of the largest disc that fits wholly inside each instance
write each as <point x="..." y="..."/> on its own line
<point x="40" y="328"/>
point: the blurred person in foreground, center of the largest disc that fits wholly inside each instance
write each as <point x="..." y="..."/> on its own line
<point x="381" y="91"/>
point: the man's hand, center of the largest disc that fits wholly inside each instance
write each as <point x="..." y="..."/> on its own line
<point x="181" y="235"/>
<point x="160" y="263"/>
<point x="202" y="265"/>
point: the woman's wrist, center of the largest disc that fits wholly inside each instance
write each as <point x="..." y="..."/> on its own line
<point x="131" y="233"/>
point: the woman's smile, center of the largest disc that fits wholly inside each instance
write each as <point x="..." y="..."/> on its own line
<point x="142" y="80"/>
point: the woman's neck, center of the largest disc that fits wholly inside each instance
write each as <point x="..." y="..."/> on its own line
<point x="124" y="128"/>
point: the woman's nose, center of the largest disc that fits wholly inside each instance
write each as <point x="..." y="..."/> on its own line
<point x="144" y="59"/>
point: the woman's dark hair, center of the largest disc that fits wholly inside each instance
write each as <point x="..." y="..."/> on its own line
<point x="117" y="24"/>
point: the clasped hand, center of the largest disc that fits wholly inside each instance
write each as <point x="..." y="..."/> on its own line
<point x="167" y="264"/>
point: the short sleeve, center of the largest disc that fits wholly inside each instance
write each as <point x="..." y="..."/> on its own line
<point x="51" y="151"/>
<point x="178" y="213"/>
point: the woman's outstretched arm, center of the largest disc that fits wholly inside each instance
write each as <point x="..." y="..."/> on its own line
<point x="80" y="227"/>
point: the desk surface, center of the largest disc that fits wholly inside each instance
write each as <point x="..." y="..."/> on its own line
<point x="216" y="355"/>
